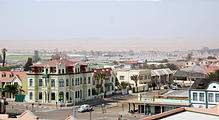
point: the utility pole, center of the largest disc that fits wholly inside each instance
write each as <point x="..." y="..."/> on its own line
<point x="144" y="108"/>
<point x="90" y="115"/>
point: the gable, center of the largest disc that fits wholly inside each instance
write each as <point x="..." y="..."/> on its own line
<point x="16" y="79"/>
<point x="214" y="86"/>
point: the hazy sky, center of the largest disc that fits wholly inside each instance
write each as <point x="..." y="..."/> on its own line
<point x="109" y="24"/>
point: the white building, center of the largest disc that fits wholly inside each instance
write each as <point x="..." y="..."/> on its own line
<point x="204" y="93"/>
<point x="125" y="76"/>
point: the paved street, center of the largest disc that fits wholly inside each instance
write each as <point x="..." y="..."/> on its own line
<point x="113" y="108"/>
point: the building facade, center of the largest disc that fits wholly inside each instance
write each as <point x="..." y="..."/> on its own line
<point x="125" y="76"/>
<point x="61" y="81"/>
<point x="204" y="94"/>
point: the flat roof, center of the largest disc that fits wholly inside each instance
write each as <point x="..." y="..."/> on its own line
<point x="160" y="103"/>
<point x="188" y="115"/>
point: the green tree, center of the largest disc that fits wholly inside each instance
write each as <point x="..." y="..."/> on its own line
<point x="13" y="89"/>
<point x="4" y="50"/>
<point x="135" y="78"/>
<point x="28" y="64"/>
<point x="115" y="62"/>
<point x="164" y="61"/>
<point x="100" y="76"/>
<point x="123" y="85"/>
<point x="213" y="75"/>
<point x="211" y="57"/>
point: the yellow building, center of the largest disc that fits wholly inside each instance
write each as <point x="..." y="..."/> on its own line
<point x="60" y="81"/>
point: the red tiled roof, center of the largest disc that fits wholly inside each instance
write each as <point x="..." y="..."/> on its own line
<point x="108" y="71"/>
<point x="7" y="78"/>
<point x="53" y="63"/>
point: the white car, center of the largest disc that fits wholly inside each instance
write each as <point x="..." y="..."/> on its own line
<point x="84" y="108"/>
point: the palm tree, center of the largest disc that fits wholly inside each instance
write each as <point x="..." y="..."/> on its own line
<point x="4" y="50"/>
<point x="100" y="76"/>
<point x="135" y="78"/>
<point x="12" y="89"/>
<point x="211" y="75"/>
<point x="214" y="75"/>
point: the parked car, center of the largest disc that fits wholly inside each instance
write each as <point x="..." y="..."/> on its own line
<point x="84" y="108"/>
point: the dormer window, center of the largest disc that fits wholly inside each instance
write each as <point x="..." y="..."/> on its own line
<point x="201" y="84"/>
<point x="214" y="86"/>
<point x="10" y="75"/>
<point x="3" y="75"/>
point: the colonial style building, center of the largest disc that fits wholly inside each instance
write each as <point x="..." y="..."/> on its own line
<point x="11" y="78"/>
<point x="59" y="81"/>
<point x="204" y="93"/>
<point x="63" y="81"/>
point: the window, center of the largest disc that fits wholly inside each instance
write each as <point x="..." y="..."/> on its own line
<point x="53" y="96"/>
<point x="15" y="83"/>
<point x="210" y="97"/>
<point x="53" y="82"/>
<point x="122" y="77"/>
<point x="80" y="94"/>
<point x="195" y="96"/>
<point x="46" y="71"/>
<point x="81" y="80"/>
<point x="145" y="77"/>
<point x="61" y="83"/>
<point x="140" y="77"/>
<point x="31" y="95"/>
<point x="75" y="94"/>
<point x="40" y="96"/>
<point x="67" y="82"/>
<point x="63" y="71"/>
<point x="217" y="97"/>
<point x="201" y="96"/>
<point x="89" y="92"/>
<point x="72" y="81"/>
<point x="112" y="79"/>
<point x="85" y="81"/>
<point x="88" y="80"/>
<point x="93" y="82"/>
<point x="67" y="95"/>
<point x="76" y="81"/>
<point x="40" y="82"/>
<point x="214" y="86"/>
<point x="10" y="75"/>
<point x="31" y="82"/>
